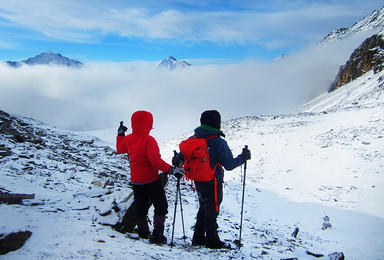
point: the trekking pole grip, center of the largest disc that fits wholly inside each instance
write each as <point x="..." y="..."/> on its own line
<point x="245" y="163"/>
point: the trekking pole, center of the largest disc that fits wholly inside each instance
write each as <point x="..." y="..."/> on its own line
<point x="181" y="209"/>
<point x="174" y="214"/>
<point x="242" y="203"/>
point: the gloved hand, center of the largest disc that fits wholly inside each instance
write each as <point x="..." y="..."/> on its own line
<point x="246" y="154"/>
<point x="175" y="158"/>
<point x="177" y="172"/>
<point x="122" y="129"/>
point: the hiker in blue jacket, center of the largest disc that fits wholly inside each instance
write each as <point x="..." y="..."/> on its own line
<point x="210" y="193"/>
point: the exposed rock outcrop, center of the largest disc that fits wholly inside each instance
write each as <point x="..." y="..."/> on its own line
<point x="13" y="129"/>
<point x="36" y="147"/>
<point x="368" y="56"/>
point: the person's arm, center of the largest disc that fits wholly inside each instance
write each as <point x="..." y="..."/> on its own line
<point x="154" y="157"/>
<point x="120" y="147"/>
<point x="225" y="156"/>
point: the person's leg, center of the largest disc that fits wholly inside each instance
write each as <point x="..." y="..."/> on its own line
<point x="157" y="195"/>
<point x="199" y="238"/>
<point x="213" y="198"/>
<point x="141" y="203"/>
<point x="210" y="214"/>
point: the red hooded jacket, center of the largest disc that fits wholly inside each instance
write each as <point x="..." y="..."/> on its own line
<point x="143" y="150"/>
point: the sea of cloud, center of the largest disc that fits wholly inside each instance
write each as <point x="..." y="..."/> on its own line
<point x="100" y="95"/>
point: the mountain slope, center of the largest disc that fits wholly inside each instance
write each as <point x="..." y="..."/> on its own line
<point x="372" y="22"/>
<point x="304" y="167"/>
<point x="328" y="157"/>
<point x="366" y="91"/>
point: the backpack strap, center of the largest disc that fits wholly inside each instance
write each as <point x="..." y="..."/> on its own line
<point x="214" y="177"/>
<point x="210" y="137"/>
<point x="215" y="187"/>
<point x="192" y="187"/>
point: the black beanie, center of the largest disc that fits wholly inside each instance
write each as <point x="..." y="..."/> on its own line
<point x="211" y="118"/>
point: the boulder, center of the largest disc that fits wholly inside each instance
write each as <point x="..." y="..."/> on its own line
<point x="13" y="241"/>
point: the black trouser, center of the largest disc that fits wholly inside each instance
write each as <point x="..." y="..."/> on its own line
<point x="206" y="223"/>
<point x="154" y="192"/>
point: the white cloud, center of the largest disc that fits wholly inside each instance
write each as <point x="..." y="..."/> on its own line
<point x="100" y="95"/>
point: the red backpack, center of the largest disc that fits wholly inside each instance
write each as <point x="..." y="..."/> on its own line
<point x="196" y="159"/>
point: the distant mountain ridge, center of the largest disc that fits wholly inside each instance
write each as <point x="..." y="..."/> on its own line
<point x="47" y="58"/>
<point x="170" y="63"/>
<point x="373" y="21"/>
<point x="368" y="56"/>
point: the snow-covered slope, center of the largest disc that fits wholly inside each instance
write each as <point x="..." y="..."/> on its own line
<point x="366" y="91"/>
<point x="372" y="22"/>
<point x="324" y="160"/>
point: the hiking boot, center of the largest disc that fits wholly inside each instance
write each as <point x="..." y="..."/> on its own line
<point x="157" y="236"/>
<point x="198" y="243"/>
<point x="158" y="240"/>
<point x="201" y="241"/>
<point x="142" y="228"/>
<point x="218" y="245"/>
<point x="144" y="234"/>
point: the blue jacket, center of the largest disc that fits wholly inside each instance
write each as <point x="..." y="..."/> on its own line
<point x="219" y="151"/>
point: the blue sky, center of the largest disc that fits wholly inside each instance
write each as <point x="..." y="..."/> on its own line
<point x="218" y="31"/>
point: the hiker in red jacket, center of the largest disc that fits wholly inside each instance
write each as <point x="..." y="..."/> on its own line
<point x="145" y="162"/>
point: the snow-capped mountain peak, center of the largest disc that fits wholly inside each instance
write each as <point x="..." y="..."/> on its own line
<point x="170" y="63"/>
<point x="48" y="58"/>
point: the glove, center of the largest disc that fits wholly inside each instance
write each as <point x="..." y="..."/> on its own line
<point x="177" y="172"/>
<point x="246" y="154"/>
<point x="175" y="158"/>
<point x="122" y="129"/>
